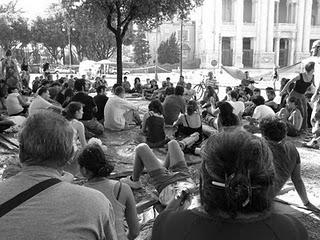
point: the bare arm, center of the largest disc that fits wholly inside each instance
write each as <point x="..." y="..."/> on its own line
<point x="131" y="213"/>
<point x="298" y="184"/>
<point x="285" y="88"/>
<point x="81" y="134"/>
<point x="21" y="101"/>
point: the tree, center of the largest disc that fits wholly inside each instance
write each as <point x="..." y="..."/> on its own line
<point x="120" y="14"/>
<point x="48" y="31"/>
<point x="168" y="51"/>
<point x="141" y="48"/>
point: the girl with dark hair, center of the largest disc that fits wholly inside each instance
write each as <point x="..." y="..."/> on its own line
<point x="153" y="125"/>
<point x="291" y="114"/>
<point x="189" y="123"/>
<point x="73" y="113"/>
<point x="210" y="99"/>
<point x="302" y="84"/>
<point x="96" y="168"/>
<point x="236" y="195"/>
<point x="226" y="117"/>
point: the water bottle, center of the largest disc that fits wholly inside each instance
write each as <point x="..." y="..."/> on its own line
<point x="189" y="141"/>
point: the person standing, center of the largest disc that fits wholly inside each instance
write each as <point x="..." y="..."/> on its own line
<point x="302" y="82"/>
<point x="10" y="71"/>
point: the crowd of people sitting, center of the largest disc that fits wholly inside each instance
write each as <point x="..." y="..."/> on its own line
<point x="240" y="173"/>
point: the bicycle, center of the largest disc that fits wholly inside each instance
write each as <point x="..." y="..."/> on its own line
<point x="200" y="88"/>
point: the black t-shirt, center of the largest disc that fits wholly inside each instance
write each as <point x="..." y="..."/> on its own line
<point x="155" y="129"/>
<point x="100" y="101"/>
<point x="195" y="225"/>
<point x="88" y="104"/>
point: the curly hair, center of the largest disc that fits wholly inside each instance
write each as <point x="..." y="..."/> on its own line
<point x="237" y="173"/>
<point x="92" y="158"/>
<point x="156" y="106"/>
<point x="273" y="128"/>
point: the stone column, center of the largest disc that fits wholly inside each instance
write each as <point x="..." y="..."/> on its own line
<point x="291" y="50"/>
<point x="217" y="30"/>
<point x="238" y="20"/>
<point x="270" y="28"/>
<point x="318" y="13"/>
<point x="276" y="50"/>
<point x="307" y="27"/>
<point x="300" y="26"/>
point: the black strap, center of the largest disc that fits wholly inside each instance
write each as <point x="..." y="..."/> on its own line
<point x="185" y="117"/>
<point x="118" y="195"/>
<point x="25" y="195"/>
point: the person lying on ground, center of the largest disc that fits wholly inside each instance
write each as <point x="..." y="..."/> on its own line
<point x="236" y="184"/>
<point x="16" y="105"/>
<point x="291" y="114"/>
<point x="41" y="102"/>
<point x="119" y="114"/>
<point x="153" y="125"/>
<point x="169" y="177"/>
<point x="96" y="168"/>
<point x="286" y="158"/>
<point x="62" y="211"/>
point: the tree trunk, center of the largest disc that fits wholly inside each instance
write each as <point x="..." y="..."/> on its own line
<point x="119" y="59"/>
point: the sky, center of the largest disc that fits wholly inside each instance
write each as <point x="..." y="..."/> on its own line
<point x="34" y="8"/>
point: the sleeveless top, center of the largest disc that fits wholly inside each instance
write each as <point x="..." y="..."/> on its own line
<point x="73" y="122"/>
<point x="187" y="130"/>
<point x="107" y="188"/>
<point x="301" y="86"/>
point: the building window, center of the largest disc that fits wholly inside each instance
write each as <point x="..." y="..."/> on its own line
<point x="285" y="11"/>
<point x="248" y="11"/>
<point x="227" y="13"/>
<point x="315" y="17"/>
<point x="185" y="35"/>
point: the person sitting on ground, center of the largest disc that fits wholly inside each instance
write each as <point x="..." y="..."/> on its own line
<point x="60" y="98"/>
<point x="148" y="93"/>
<point x="169" y="177"/>
<point x="68" y="94"/>
<point x="126" y="84"/>
<point x="228" y="90"/>
<point x="98" y="82"/>
<point x="100" y="99"/>
<point x="54" y="89"/>
<point x="169" y="83"/>
<point x="236" y="185"/>
<point x="238" y="106"/>
<point x="286" y="158"/>
<point x="189" y="123"/>
<point x="36" y="84"/>
<point x="62" y="211"/>
<point x="210" y="99"/>
<point x="189" y="93"/>
<point x="271" y="95"/>
<point x="15" y="103"/>
<point x="73" y="113"/>
<point x="173" y="105"/>
<point x="119" y="114"/>
<point x="181" y="82"/>
<point x="153" y="125"/>
<point x="260" y="111"/>
<point x="92" y="126"/>
<point x="225" y="120"/>
<point x="160" y="93"/>
<point x="137" y="88"/>
<point x="41" y="102"/>
<point x="256" y="92"/>
<point x="3" y="93"/>
<point x="291" y="114"/>
<point x="97" y="168"/>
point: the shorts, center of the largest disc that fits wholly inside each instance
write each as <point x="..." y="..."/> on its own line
<point x="162" y="177"/>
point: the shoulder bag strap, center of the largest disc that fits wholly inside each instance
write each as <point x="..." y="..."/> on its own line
<point x="119" y="191"/>
<point x="25" y="195"/>
<point x="185" y="117"/>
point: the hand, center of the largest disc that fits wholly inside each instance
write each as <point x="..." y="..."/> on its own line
<point x="179" y="202"/>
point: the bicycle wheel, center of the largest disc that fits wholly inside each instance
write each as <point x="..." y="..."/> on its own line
<point x="199" y="91"/>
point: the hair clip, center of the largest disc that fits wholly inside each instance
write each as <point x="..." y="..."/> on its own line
<point x="218" y="184"/>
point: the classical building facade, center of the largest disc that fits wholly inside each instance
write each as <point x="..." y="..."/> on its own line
<point x="256" y="33"/>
